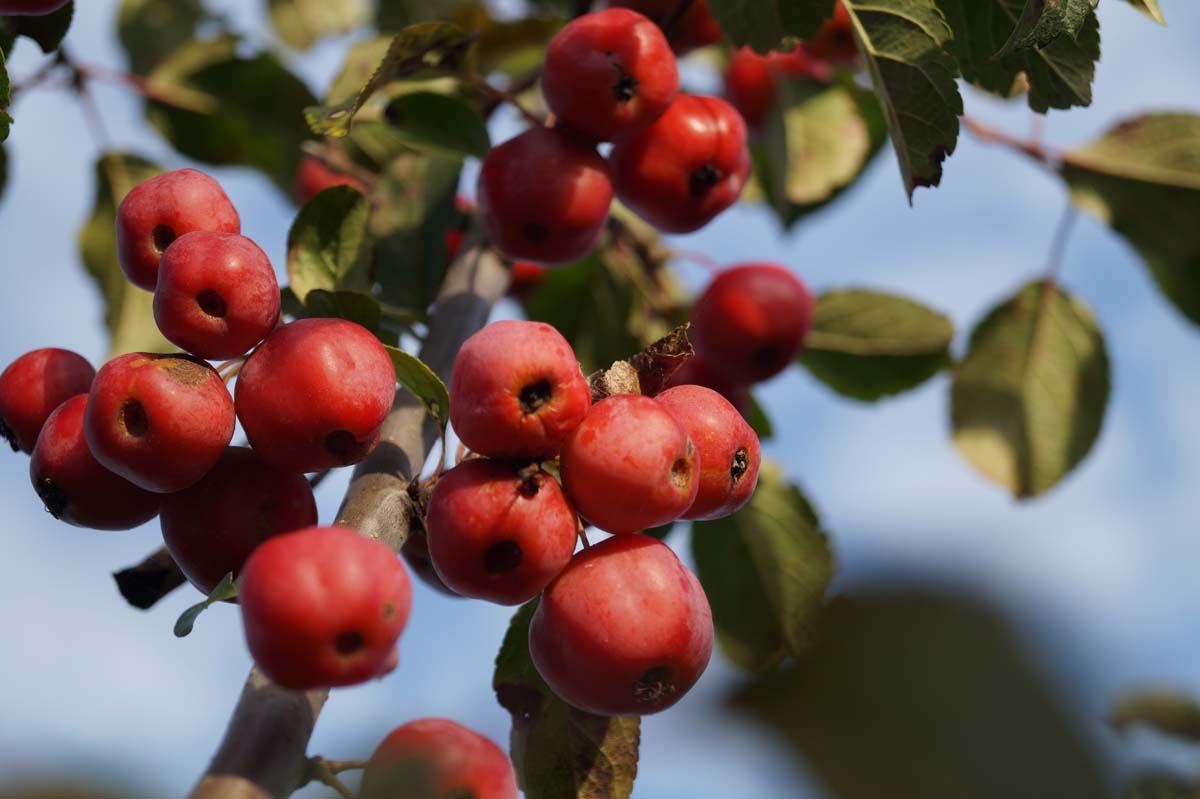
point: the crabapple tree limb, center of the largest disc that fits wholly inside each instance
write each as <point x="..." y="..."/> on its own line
<point x="263" y="753"/>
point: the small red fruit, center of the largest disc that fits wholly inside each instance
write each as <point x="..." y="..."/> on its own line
<point x="834" y="42"/>
<point x="73" y="485"/>
<point x="751" y="80"/>
<point x="438" y="759"/>
<point x="315" y="394"/>
<point x="323" y="607"/>
<point x="629" y="465"/>
<point x="35" y="8"/>
<point x="687" y="167"/>
<point x="313" y="176"/>
<point x="625" y="629"/>
<point x="697" y="371"/>
<point x="525" y="278"/>
<point x="216" y="295"/>
<point x="212" y="527"/>
<point x="609" y="73"/>
<point x="544" y="196"/>
<point x="752" y="320"/>
<point x="696" y="28"/>
<point x="159" y="210"/>
<point x="33" y="386"/>
<point x="499" y="532"/>
<point x="727" y="450"/>
<point x="517" y="391"/>
<point x="159" y="421"/>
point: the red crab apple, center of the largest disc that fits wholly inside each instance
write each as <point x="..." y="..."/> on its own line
<point x="323" y="607"/>
<point x="33" y="386"/>
<point x="697" y="371"/>
<point x="629" y="465"/>
<point x="752" y="80"/>
<point x="544" y="196"/>
<point x="727" y="450"/>
<point x="216" y="295"/>
<point x="516" y="391"/>
<point x="159" y="210"/>
<point x="159" y="421"/>
<point x="73" y="485"/>
<point x="499" y="532"/>
<point x="608" y="73"/>
<point x="696" y="28"/>
<point x="752" y="320"/>
<point x="687" y="167"/>
<point x="438" y="759"/>
<point x="625" y="629"/>
<point x="211" y="527"/>
<point x="31" y="8"/>
<point x="834" y="42"/>
<point x="315" y="394"/>
<point x="313" y="176"/>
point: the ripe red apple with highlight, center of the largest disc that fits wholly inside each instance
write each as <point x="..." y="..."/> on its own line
<point x="33" y="386"/>
<point x="438" y="759"/>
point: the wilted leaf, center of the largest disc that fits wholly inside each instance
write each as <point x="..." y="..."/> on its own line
<point x="414" y="375"/>
<point x="1044" y="21"/>
<point x="1059" y="75"/>
<point x="926" y="696"/>
<point x="226" y="589"/>
<point x="150" y="30"/>
<point x="1028" y="401"/>
<point x="243" y="111"/>
<point x="1142" y="178"/>
<point x="1168" y="712"/>
<point x="300" y="23"/>
<point x="560" y="752"/>
<point x="128" y="312"/>
<point x="765" y="570"/>
<point x="902" y="43"/>
<point x="868" y="345"/>
<point x="764" y="24"/>
<point x="327" y="244"/>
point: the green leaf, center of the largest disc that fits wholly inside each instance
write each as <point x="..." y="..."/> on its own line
<point x="328" y="243"/>
<point x="868" y="345"/>
<point x="1142" y="178"/>
<point x="902" y="43"/>
<point x="764" y="24"/>
<point x="1161" y="786"/>
<point x="299" y="23"/>
<point x="355" y="306"/>
<point x="765" y="570"/>
<point x="395" y="15"/>
<point x="150" y="30"/>
<point x="560" y="752"/>
<point x="1044" y="21"/>
<point x="1028" y="401"/>
<point x="1167" y="712"/>
<point x="1059" y="75"/>
<point x="1149" y="8"/>
<point x="128" y="313"/>
<point x="429" y="121"/>
<point x="246" y="111"/>
<point x="927" y="696"/>
<point x="759" y="421"/>
<point x="817" y="142"/>
<point x="48" y="30"/>
<point x="413" y="374"/>
<point x="360" y="63"/>
<point x="5" y="100"/>
<point x="591" y="304"/>
<point x="420" y="50"/>
<point x="226" y="589"/>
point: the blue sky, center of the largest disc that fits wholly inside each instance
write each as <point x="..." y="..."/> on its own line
<point x="1099" y="574"/>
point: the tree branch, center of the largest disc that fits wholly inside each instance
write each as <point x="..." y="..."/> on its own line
<point x="149" y="581"/>
<point x="263" y="753"/>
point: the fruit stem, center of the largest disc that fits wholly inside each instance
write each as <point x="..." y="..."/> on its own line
<point x="503" y="96"/>
<point x="321" y="770"/>
<point x="581" y="531"/>
<point x="697" y="257"/>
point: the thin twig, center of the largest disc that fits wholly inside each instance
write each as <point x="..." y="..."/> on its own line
<point x="1058" y="245"/>
<point x="516" y="88"/>
<point x="320" y="770"/>
<point x="506" y="97"/>
<point x="1033" y="149"/>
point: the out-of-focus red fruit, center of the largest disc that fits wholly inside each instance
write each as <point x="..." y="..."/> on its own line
<point x="625" y="629"/>
<point x="697" y="371"/>
<point x="544" y="196"/>
<point x="751" y="80"/>
<point x="73" y="485"/>
<point x="30" y="8"/>
<point x="516" y="391"/>
<point x="751" y="321"/>
<point x="498" y="532"/>
<point x="159" y="421"/>
<point x="159" y="210"/>
<point x="438" y="759"/>
<point x="727" y="450"/>
<point x="33" y="386"/>
<point x="834" y="42"/>
<point x="211" y="527"/>
<point x="525" y="278"/>
<point x="687" y="167"/>
<point x="323" y="607"/>
<point x="696" y="28"/>
<point x="313" y="176"/>
<point x="629" y="465"/>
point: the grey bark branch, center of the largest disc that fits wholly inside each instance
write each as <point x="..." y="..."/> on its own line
<point x="264" y="752"/>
